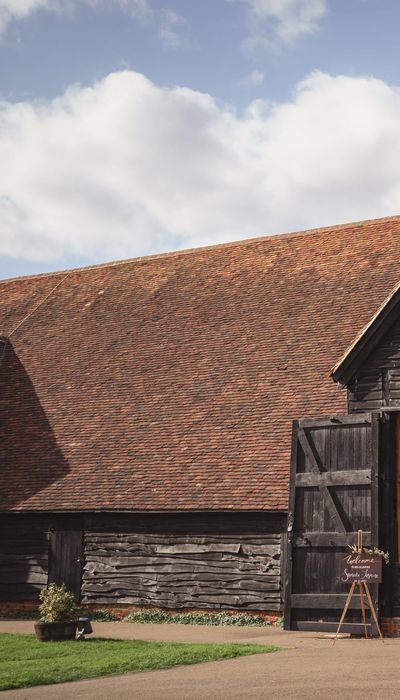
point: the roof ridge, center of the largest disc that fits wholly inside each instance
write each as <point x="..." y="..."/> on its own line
<point x="213" y="246"/>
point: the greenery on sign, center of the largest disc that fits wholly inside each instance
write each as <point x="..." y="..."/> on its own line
<point x="25" y="662"/>
<point x="58" y="604"/>
<point x="197" y="618"/>
<point x="371" y="550"/>
<point x="375" y="550"/>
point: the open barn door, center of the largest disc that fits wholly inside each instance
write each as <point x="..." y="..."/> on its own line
<point x="333" y="493"/>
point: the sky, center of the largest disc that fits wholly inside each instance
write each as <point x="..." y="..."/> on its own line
<point x="134" y="127"/>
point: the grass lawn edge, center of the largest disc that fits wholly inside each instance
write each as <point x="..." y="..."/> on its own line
<point x="25" y="662"/>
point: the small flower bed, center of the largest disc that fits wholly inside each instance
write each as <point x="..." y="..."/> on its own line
<point x="100" y="615"/>
<point x="197" y="618"/>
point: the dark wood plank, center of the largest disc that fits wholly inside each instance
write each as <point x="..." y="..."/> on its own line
<point x="288" y="573"/>
<point x="171" y="571"/>
<point x="66" y="559"/>
<point x="315" y="467"/>
<point x="329" y="421"/>
<point x="344" y="477"/>
<point x="375" y="463"/>
<point x="324" y="601"/>
<point x="23" y="557"/>
<point x="329" y="539"/>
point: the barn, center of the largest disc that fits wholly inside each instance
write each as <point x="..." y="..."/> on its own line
<point x="206" y="429"/>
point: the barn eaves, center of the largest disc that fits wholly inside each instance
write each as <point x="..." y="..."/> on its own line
<point x="367" y="339"/>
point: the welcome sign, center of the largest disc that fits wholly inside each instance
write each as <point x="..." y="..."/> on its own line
<point x="360" y="568"/>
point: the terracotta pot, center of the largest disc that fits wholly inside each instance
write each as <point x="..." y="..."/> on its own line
<point x="55" y="631"/>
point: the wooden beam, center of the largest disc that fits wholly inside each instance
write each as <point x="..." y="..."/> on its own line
<point x="287" y="557"/>
<point x="328" y="539"/>
<point x="328" y="421"/>
<point x="324" y="601"/>
<point x="316" y="469"/>
<point x="354" y="477"/>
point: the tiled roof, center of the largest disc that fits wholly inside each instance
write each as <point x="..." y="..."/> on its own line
<point x="170" y="382"/>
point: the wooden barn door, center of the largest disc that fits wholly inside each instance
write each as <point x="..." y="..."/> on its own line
<point x="66" y="556"/>
<point x="333" y="493"/>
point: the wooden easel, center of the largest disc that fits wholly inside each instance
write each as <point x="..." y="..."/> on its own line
<point x="361" y="584"/>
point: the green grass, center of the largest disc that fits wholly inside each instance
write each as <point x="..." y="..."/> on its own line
<point x="24" y="661"/>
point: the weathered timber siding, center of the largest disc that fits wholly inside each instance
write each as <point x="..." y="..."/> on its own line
<point x="23" y="558"/>
<point x="208" y="560"/>
<point x="193" y="562"/>
<point x="377" y="384"/>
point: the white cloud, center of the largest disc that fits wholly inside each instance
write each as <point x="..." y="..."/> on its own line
<point x="125" y="167"/>
<point x="169" y="24"/>
<point x="253" y="79"/>
<point x="18" y="9"/>
<point x="285" y="20"/>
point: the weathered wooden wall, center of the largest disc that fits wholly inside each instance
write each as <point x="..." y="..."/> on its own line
<point x="23" y="558"/>
<point x="209" y="560"/>
<point x="192" y="560"/>
<point x="178" y="572"/>
<point x="377" y="384"/>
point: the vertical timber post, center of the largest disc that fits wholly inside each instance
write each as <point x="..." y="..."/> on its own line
<point x="375" y="453"/>
<point x="287" y="611"/>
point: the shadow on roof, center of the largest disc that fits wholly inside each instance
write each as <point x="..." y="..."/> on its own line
<point x="30" y="459"/>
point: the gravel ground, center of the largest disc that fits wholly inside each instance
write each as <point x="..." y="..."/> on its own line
<point x="309" y="668"/>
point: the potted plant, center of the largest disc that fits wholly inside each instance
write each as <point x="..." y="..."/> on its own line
<point x="58" y="614"/>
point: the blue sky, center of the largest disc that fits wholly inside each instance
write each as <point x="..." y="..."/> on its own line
<point x="129" y="127"/>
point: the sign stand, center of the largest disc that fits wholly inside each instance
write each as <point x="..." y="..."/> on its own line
<point x="361" y="584"/>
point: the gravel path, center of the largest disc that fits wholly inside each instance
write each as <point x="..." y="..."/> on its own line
<point x="309" y="668"/>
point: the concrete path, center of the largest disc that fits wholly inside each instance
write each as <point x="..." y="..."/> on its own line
<point x="308" y="669"/>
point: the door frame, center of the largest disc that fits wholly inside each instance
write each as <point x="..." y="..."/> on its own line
<point x="335" y="600"/>
<point x="59" y="545"/>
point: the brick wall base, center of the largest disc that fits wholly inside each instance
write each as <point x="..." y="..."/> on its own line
<point x="120" y="611"/>
<point x="21" y="606"/>
<point x="390" y="626"/>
